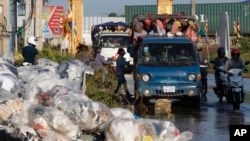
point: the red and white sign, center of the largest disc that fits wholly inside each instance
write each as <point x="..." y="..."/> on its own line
<point x="54" y="20"/>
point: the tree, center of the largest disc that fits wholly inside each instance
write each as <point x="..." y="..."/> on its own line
<point x="113" y="14"/>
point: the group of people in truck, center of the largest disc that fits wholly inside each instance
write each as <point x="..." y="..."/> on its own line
<point x="168" y="27"/>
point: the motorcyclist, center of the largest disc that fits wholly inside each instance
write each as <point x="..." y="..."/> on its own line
<point x="235" y="61"/>
<point x="220" y="60"/>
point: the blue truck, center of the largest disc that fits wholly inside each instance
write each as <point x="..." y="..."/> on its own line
<point x="165" y="65"/>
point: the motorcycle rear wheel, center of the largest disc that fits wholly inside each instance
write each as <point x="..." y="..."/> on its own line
<point x="236" y="106"/>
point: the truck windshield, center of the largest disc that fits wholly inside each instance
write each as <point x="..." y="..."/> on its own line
<point x="114" y="41"/>
<point x="177" y="54"/>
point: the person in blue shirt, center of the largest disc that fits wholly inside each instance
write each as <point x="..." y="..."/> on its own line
<point x="120" y="72"/>
<point x="29" y="52"/>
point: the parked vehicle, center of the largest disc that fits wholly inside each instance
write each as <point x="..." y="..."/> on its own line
<point x="178" y="76"/>
<point x="111" y="36"/>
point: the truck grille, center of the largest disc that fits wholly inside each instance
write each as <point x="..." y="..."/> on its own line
<point x="170" y="94"/>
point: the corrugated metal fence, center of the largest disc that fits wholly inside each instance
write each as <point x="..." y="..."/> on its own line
<point x="237" y="12"/>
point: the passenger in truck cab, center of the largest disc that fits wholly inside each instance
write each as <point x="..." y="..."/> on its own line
<point x="108" y="43"/>
<point x="148" y="58"/>
<point x="116" y="43"/>
<point x="165" y="56"/>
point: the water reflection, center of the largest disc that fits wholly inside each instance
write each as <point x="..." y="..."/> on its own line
<point x="209" y="123"/>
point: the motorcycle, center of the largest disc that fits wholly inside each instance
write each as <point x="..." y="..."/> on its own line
<point x="222" y="87"/>
<point x="231" y="86"/>
<point x="235" y="93"/>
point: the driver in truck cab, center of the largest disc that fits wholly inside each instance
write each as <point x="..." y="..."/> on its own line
<point x="183" y="54"/>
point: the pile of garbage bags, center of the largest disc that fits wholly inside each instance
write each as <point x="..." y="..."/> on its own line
<point x="47" y="102"/>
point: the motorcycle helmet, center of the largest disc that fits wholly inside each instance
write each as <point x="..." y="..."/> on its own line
<point x="121" y="51"/>
<point x="235" y="53"/>
<point x="221" y="51"/>
<point x="32" y="40"/>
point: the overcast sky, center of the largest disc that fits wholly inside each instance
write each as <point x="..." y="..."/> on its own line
<point x="104" y="7"/>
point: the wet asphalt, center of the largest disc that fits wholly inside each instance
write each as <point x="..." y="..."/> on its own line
<point x="211" y="121"/>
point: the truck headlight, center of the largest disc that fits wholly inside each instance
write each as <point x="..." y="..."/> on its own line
<point x="147" y="92"/>
<point x="145" y="77"/>
<point x="191" y="77"/>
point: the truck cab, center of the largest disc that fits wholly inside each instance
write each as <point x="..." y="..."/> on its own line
<point x="110" y="37"/>
<point x="165" y="66"/>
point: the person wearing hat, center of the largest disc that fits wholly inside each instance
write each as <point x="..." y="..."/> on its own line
<point x="29" y="52"/>
<point x="120" y="72"/>
<point x="175" y="29"/>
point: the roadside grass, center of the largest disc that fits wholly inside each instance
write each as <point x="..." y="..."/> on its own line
<point x="247" y="97"/>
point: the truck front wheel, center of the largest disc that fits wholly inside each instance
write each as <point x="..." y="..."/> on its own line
<point x="196" y="101"/>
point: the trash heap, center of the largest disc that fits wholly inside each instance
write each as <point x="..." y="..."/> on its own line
<point x="46" y="102"/>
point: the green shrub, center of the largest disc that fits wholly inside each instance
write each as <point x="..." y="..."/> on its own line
<point x="95" y="89"/>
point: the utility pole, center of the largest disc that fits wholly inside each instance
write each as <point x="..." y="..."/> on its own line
<point x="28" y="30"/>
<point x="14" y="25"/>
<point x="165" y="6"/>
<point x="77" y="20"/>
<point x="38" y="23"/>
<point x="193" y="7"/>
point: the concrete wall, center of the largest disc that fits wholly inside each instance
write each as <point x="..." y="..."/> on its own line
<point x="4" y="14"/>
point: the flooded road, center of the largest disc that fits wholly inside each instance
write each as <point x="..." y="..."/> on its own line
<point x="210" y="122"/>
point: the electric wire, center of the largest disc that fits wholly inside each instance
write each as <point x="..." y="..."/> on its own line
<point x="4" y="33"/>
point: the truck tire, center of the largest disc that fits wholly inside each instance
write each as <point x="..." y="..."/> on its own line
<point x="196" y="101"/>
<point x="139" y="107"/>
